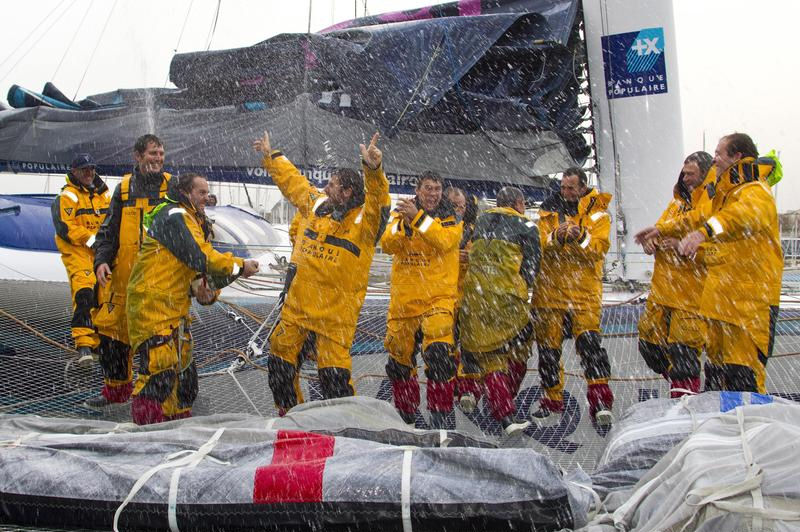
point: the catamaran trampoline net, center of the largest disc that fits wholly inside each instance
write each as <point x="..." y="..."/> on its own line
<point x="37" y="378"/>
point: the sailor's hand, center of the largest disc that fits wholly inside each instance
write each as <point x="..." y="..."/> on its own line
<point x="561" y="231"/>
<point x="648" y="233"/>
<point x="371" y="155"/>
<point x="649" y="247"/>
<point x="668" y="243"/>
<point x="262" y="144"/>
<point x="690" y="243"/>
<point x="573" y="232"/>
<point x="250" y="267"/>
<point x="463" y="256"/>
<point x="103" y="274"/>
<point x="408" y="208"/>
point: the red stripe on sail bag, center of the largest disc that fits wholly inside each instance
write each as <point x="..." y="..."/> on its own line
<point x="295" y="474"/>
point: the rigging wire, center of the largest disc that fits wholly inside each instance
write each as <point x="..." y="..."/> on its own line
<point x="96" y="46"/>
<point x="53" y="23"/>
<point x="180" y="36"/>
<point x="74" y="36"/>
<point x="309" y="16"/>
<point x="22" y="42"/>
<point x="213" y="26"/>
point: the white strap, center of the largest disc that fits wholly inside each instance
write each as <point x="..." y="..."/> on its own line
<point x="405" y="491"/>
<point x="190" y="459"/>
<point x="172" y="507"/>
<point x="230" y="372"/>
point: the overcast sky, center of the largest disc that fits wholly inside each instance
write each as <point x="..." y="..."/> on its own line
<point x="737" y="60"/>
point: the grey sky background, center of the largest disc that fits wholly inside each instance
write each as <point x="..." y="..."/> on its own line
<point x="737" y="64"/>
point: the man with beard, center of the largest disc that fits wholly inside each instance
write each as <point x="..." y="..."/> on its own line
<point x="175" y="263"/>
<point x="334" y="246"/>
<point x="116" y="246"/>
<point x="671" y="331"/>
<point x="574" y="226"/>
<point x="423" y="236"/>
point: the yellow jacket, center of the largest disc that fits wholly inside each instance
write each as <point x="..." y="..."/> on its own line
<point x="121" y="235"/>
<point x="504" y="260"/>
<point x="743" y="254"/>
<point x="571" y="275"/>
<point x="688" y="220"/>
<point x="425" y="263"/>
<point x="334" y="252"/>
<point x="77" y="214"/>
<point x="175" y="250"/>
<point x="678" y="281"/>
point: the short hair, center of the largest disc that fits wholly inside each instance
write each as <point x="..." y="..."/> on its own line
<point x="455" y="190"/>
<point x="741" y="143"/>
<point x="703" y="160"/>
<point x="351" y="179"/>
<point x="142" y="142"/>
<point x="574" y="170"/>
<point x="431" y="176"/>
<point x="185" y="182"/>
<point x="509" y="197"/>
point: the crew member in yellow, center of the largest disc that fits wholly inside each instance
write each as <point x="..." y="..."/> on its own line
<point x="494" y="319"/>
<point x="745" y="263"/>
<point x="117" y="243"/>
<point x="333" y="255"/>
<point x="176" y="262"/>
<point x="469" y="387"/>
<point x="423" y="238"/>
<point x="78" y="211"/>
<point x="574" y="226"/>
<point x="671" y="332"/>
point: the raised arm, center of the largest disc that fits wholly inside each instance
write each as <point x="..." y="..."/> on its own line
<point x="292" y="184"/>
<point x="376" y="202"/>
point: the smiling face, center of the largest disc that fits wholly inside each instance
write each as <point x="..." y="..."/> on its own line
<point x="84" y="175"/>
<point x="151" y="161"/>
<point x="429" y="192"/>
<point x="571" y="187"/>
<point x="336" y="191"/>
<point x="199" y="194"/>
<point x="458" y="201"/>
<point x="722" y="158"/>
<point x="692" y="177"/>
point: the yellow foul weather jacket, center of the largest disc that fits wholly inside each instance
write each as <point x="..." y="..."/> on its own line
<point x="333" y="250"/>
<point x="504" y="260"/>
<point x="77" y="213"/>
<point x="175" y="250"/>
<point x="678" y="281"/>
<point x="743" y="251"/>
<point x="424" y="263"/>
<point x="118" y="242"/>
<point x="571" y="275"/>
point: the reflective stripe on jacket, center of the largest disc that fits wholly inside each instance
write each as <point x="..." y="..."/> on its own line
<point x="571" y="274"/>
<point x="175" y="250"/>
<point x="424" y="263"/>
<point x="333" y="250"/>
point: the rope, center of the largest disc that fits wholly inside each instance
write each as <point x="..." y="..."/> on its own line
<point x="39" y="335"/>
<point x="53" y="23"/>
<point x="96" y="46"/>
<point x="180" y="36"/>
<point x="213" y="26"/>
<point x="72" y="41"/>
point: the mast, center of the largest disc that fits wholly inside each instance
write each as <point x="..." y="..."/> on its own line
<point x="638" y="129"/>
